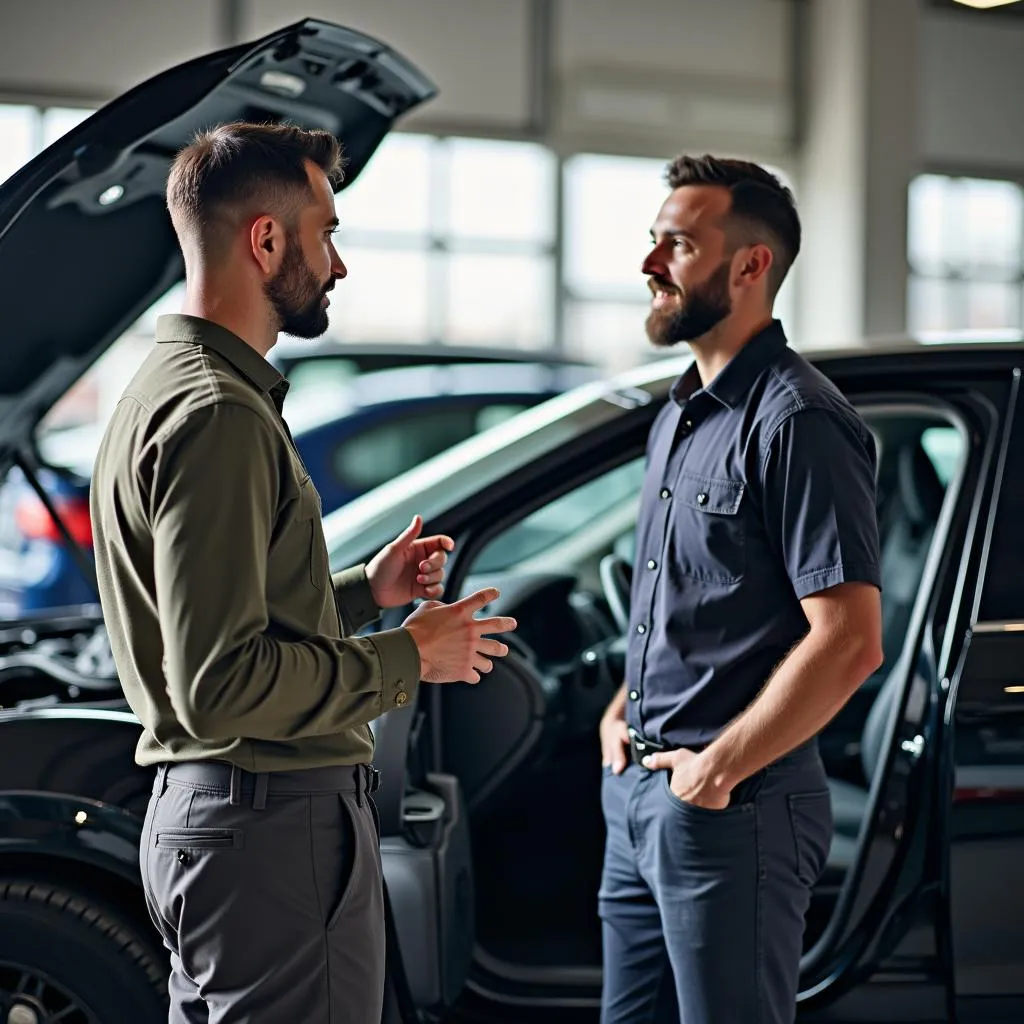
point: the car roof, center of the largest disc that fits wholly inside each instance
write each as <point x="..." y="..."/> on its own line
<point x="430" y="384"/>
<point x="288" y="353"/>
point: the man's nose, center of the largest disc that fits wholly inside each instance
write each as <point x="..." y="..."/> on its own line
<point x="338" y="269"/>
<point x="652" y="267"/>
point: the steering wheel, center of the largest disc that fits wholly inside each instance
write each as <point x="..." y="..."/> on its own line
<point x="616" y="580"/>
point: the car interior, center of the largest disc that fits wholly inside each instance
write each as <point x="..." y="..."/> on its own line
<point x="523" y="744"/>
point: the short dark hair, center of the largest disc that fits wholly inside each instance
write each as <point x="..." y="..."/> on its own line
<point x="234" y="169"/>
<point x="762" y="210"/>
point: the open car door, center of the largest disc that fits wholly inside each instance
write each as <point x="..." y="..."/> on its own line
<point x="428" y="872"/>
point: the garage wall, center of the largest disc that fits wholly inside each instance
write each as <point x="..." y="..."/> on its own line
<point x="622" y="76"/>
<point x="663" y="74"/>
<point x="647" y="76"/>
<point x="972" y="84"/>
<point x="93" y="49"/>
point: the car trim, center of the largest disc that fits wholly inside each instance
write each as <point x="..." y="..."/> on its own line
<point x="997" y="626"/>
<point x="88" y="714"/>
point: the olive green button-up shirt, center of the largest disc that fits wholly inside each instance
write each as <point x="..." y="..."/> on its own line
<point x="230" y="637"/>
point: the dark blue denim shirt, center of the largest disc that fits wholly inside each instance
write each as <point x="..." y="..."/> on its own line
<point x="760" y="491"/>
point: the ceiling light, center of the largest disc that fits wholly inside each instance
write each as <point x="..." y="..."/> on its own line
<point x="985" y="4"/>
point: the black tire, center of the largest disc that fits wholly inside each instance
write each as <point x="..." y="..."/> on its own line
<point x="64" y="946"/>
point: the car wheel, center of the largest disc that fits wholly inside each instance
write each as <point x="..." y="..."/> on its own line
<point x="66" y="958"/>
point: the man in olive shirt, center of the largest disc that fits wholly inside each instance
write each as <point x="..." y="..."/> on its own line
<point x="259" y="854"/>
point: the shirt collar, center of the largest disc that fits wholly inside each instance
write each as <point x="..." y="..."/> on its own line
<point x="739" y="374"/>
<point x="196" y="331"/>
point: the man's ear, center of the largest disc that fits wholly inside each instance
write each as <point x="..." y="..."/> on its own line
<point x="267" y="242"/>
<point x="755" y="262"/>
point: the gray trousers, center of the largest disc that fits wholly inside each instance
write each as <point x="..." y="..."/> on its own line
<point x="703" y="911"/>
<point x="267" y="890"/>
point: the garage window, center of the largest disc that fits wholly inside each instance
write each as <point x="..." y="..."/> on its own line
<point x="18" y="138"/>
<point x="449" y="239"/>
<point x="966" y="254"/>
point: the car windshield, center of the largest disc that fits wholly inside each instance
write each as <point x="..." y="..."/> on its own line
<point x="361" y="527"/>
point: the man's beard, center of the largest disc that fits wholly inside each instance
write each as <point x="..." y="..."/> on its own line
<point x="296" y="295"/>
<point x="701" y="309"/>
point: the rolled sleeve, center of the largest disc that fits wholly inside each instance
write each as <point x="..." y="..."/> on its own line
<point x="818" y="477"/>
<point x="355" y="598"/>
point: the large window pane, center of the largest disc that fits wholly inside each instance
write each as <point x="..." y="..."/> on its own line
<point x="610" y="204"/>
<point x="384" y="297"/>
<point x="928" y="205"/>
<point x="58" y="121"/>
<point x="500" y="300"/>
<point x="992" y="305"/>
<point x="17" y="138"/>
<point x="501" y="190"/>
<point x="932" y="305"/>
<point x="609" y="334"/>
<point x="392" y="194"/>
<point x="992" y="214"/>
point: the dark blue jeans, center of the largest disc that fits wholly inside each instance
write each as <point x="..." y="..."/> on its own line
<point x="703" y="911"/>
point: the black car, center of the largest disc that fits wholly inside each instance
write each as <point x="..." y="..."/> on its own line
<point x="919" y="915"/>
<point x="491" y="826"/>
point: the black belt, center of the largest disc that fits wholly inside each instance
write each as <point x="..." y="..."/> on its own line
<point x="236" y="782"/>
<point x="640" y="746"/>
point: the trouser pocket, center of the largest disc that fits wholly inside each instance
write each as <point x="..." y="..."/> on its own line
<point x="200" y="838"/>
<point x="810" y="816"/>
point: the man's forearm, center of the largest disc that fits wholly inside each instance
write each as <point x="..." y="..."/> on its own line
<point x="804" y="694"/>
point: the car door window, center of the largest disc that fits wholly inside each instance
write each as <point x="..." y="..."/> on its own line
<point x="387" y="449"/>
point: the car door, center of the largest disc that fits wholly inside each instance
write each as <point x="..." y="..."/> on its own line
<point x="889" y="924"/>
<point x="984" y="768"/>
<point x="425" y="853"/>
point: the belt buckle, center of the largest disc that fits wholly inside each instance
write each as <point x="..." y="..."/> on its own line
<point x="372" y="779"/>
<point x="640" y="746"/>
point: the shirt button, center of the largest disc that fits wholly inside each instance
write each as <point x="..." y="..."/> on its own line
<point x="401" y="697"/>
<point x="634" y="694"/>
<point x="702" y="498"/>
<point x="641" y="628"/>
<point x="666" y="493"/>
<point x="652" y="564"/>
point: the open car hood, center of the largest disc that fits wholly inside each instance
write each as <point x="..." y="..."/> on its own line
<point x="86" y="244"/>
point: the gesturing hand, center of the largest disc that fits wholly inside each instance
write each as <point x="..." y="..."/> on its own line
<point x="453" y="645"/>
<point x="410" y="567"/>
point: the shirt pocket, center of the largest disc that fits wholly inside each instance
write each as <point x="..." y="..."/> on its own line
<point x="710" y="528"/>
<point x="308" y="515"/>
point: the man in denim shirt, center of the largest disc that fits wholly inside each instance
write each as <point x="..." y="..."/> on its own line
<point x="755" y="615"/>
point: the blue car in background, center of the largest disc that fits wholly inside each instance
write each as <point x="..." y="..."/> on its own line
<point x="359" y="416"/>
